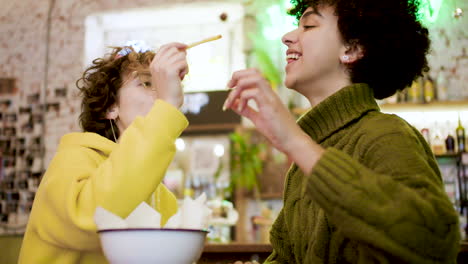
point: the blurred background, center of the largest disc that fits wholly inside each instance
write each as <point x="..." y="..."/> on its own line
<point x="45" y="46"/>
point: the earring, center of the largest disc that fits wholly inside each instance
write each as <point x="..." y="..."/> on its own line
<point x="113" y="132"/>
<point x="345" y="57"/>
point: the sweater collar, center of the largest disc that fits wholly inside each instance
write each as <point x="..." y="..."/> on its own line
<point x="338" y="110"/>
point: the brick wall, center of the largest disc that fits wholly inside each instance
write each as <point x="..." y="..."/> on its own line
<point x="23" y="49"/>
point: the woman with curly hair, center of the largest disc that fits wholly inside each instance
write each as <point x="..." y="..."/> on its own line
<point x="130" y="118"/>
<point x="364" y="186"/>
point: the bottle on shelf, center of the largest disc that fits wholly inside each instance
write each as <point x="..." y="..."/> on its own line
<point x="429" y="90"/>
<point x="450" y="143"/>
<point x="425" y="134"/>
<point x="460" y="136"/>
<point x="438" y="143"/>
<point x="415" y="91"/>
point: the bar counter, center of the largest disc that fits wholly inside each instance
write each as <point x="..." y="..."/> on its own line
<point x="229" y="253"/>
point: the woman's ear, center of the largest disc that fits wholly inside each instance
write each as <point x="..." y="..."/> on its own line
<point x="352" y="53"/>
<point x="112" y="112"/>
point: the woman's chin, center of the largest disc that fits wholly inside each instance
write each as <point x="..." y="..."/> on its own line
<point x="289" y="83"/>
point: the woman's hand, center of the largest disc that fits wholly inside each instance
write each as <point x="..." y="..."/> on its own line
<point x="168" y="69"/>
<point x="271" y="117"/>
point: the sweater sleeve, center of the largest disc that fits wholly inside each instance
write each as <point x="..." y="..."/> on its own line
<point x="394" y="203"/>
<point x="74" y="186"/>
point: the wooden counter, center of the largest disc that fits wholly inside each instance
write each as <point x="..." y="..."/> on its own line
<point x="236" y="248"/>
<point x="229" y="253"/>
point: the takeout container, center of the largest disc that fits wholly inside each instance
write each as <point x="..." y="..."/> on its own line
<point x="152" y="245"/>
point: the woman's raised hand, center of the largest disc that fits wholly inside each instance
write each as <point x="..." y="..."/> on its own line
<point x="168" y="69"/>
<point x="271" y="117"/>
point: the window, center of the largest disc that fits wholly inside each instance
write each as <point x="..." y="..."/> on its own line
<point x="211" y="64"/>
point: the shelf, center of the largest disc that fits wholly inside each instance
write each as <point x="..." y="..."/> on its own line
<point x="464" y="157"/>
<point x="210" y="128"/>
<point x="426" y="107"/>
<point x="447" y="155"/>
<point x="412" y="107"/>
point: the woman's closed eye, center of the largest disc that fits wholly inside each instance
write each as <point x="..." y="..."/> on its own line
<point x="308" y="27"/>
<point x="146" y="85"/>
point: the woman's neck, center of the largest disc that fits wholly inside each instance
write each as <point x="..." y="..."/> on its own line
<point x="321" y="89"/>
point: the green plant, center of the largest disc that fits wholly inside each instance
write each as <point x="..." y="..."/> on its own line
<point x="264" y="61"/>
<point x="246" y="163"/>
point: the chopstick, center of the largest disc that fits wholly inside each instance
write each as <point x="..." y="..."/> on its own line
<point x="203" y="41"/>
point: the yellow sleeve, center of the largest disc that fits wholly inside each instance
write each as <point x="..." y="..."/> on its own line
<point x="77" y="180"/>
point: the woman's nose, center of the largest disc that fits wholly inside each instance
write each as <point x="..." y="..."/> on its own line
<point x="289" y="38"/>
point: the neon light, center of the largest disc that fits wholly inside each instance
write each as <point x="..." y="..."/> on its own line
<point x="277" y="22"/>
<point x="430" y="9"/>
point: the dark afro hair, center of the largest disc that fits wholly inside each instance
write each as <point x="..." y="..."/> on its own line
<point x="394" y="41"/>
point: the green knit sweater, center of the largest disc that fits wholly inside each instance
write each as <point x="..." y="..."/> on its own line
<point x="375" y="196"/>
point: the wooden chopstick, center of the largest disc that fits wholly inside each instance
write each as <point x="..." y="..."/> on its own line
<point x="203" y="41"/>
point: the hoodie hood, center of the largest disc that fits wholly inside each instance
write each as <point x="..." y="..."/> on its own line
<point x="88" y="140"/>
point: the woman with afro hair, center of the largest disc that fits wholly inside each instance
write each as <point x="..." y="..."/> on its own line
<point x="364" y="186"/>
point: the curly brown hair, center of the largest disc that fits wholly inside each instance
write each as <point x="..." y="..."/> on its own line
<point x="394" y="41"/>
<point x="99" y="87"/>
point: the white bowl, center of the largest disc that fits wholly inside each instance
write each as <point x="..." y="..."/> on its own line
<point x="152" y="245"/>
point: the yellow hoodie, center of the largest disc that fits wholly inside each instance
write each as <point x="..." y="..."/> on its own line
<point x="89" y="170"/>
